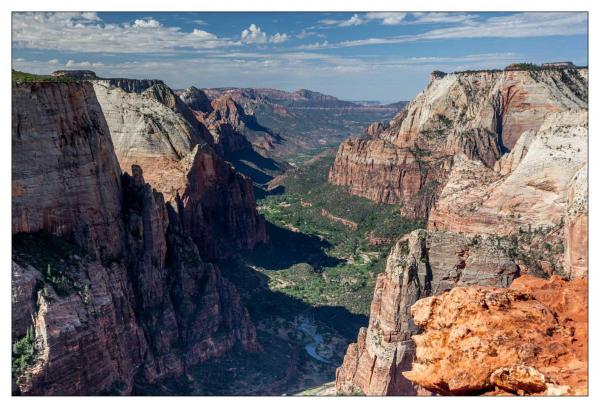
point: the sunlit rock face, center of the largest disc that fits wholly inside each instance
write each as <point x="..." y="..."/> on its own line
<point x="152" y="128"/>
<point x="487" y="158"/>
<point x="530" y="338"/>
<point x="419" y="265"/>
<point x="481" y="115"/>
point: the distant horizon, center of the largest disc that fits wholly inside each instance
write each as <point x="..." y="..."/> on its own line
<point x="358" y="101"/>
<point x="353" y="56"/>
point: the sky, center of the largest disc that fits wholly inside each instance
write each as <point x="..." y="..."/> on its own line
<point x="384" y="56"/>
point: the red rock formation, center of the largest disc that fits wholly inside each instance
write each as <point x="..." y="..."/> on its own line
<point x="375" y="129"/>
<point x="48" y="193"/>
<point x="104" y="271"/>
<point x="421" y="264"/>
<point x="529" y="339"/>
<point x="379" y="171"/>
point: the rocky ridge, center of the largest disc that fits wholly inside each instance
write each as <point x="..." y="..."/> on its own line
<point x="155" y="130"/>
<point x="528" y="339"/>
<point x="419" y="265"/>
<point x="496" y="157"/>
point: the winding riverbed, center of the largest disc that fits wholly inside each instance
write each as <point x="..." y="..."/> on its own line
<point x="310" y="329"/>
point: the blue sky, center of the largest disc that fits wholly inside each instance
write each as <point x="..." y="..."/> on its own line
<point x="355" y="56"/>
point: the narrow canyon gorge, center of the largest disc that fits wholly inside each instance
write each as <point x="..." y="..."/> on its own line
<point x="217" y="241"/>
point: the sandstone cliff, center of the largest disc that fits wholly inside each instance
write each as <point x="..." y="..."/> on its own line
<point x="105" y="274"/>
<point x="497" y="158"/>
<point x="532" y="194"/>
<point x="479" y="114"/>
<point x="529" y="339"/>
<point x="420" y="265"/>
<point x="157" y="131"/>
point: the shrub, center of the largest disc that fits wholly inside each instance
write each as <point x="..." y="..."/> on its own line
<point x="23" y="353"/>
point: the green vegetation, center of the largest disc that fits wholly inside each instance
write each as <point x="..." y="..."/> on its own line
<point x="538" y="250"/>
<point x="327" y="246"/>
<point x="23" y="353"/>
<point x="527" y="66"/>
<point x="25" y="77"/>
<point x="58" y="260"/>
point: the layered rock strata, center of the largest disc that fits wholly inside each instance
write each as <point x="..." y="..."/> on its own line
<point x="419" y="265"/>
<point x="481" y="115"/>
<point x="155" y="130"/>
<point x="105" y="274"/>
<point x="528" y="339"/>
<point x="529" y="191"/>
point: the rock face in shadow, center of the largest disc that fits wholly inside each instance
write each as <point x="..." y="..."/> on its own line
<point x="419" y="265"/>
<point x="528" y="339"/>
<point x="105" y="273"/>
<point x="481" y="115"/>
<point x="65" y="176"/>
<point x="155" y="130"/>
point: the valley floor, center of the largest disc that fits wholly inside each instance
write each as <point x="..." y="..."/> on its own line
<point x="308" y="290"/>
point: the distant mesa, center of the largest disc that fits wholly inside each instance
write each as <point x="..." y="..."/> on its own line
<point x="561" y="64"/>
<point x="529" y="66"/>
<point x="77" y="74"/>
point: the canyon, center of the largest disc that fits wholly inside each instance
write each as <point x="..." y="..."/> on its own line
<point x="212" y="241"/>
<point x="294" y="125"/>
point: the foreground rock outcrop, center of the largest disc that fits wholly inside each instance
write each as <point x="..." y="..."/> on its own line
<point x="528" y="339"/>
<point x="481" y="115"/>
<point x="420" y="265"/>
<point x="109" y="287"/>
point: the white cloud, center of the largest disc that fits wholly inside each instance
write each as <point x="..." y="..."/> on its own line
<point x="253" y="35"/>
<point x="304" y="33"/>
<point x="53" y="61"/>
<point x="90" y="16"/>
<point x="278" y="38"/>
<point x="520" y="25"/>
<point x="83" y="64"/>
<point x="146" y="23"/>
<point x="437" y="17"/>
<point x="86" y="32"/>
<point x="386" y="18"/>
<point x="390" y="18"/>
<point x="203" y="35"/>
<point x="352" y="21"/>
